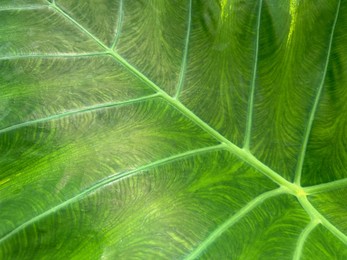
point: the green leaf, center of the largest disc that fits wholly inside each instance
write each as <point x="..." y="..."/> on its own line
<point x="173" y="129"/>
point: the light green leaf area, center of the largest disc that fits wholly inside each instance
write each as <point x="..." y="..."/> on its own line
<point x="191" y="129"/>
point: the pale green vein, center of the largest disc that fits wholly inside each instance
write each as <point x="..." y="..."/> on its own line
<point x="245" y="155"/>
<point x="79" y="111"/>
<point x="119" y="24"/>
<point x="231" y="221"/>
<point x="315" y="215"/>
<point x="53" y="55"/>
<point x="302" y="239"/>
<point x="23" y="8"/>
<point x="185" y="53"/>
<point x="308" y="129"/>
<point x="334" y="185"/>
<point x="111" y="179"/>
<point x="248" y="131"/>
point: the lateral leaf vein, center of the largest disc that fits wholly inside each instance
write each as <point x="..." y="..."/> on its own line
<point x="308" y="129"/>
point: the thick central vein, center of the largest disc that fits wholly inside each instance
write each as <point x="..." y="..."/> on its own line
<point x="308" y="129"/>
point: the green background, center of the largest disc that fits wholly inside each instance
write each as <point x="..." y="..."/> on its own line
<point x="160" y="129"/>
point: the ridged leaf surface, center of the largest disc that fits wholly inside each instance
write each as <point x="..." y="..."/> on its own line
<point x="152" y="129"/>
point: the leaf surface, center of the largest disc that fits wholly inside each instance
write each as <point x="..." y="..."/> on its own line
<point x="173" y="129"/>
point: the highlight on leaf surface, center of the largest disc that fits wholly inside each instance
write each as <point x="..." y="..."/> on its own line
<point x="173" y="129"/>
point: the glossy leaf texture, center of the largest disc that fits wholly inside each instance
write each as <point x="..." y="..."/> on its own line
<point x="181" y="129"/>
